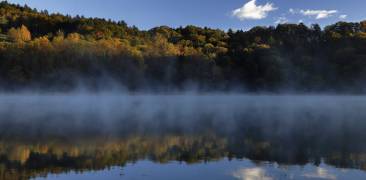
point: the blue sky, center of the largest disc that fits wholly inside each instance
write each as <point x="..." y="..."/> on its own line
<point x="223" y="14"/>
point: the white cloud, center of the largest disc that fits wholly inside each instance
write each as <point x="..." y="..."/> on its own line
<point x="343" y="16"/>
<point x="251" y="10"/>
<point x="292" y="11"/>
<point x="318" y="14"/>
<point x="281" y="20"/>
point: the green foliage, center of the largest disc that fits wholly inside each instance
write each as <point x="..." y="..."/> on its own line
<point x="54" y="50"/>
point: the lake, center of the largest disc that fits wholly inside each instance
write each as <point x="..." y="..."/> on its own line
<point x="182" y="136"/>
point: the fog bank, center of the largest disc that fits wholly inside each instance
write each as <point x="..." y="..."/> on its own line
<point x="73" y="115"/>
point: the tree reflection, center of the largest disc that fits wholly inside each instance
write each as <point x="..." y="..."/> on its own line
<point x="20" y="160"/>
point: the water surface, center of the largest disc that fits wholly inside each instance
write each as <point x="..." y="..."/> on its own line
<point x="190" y="136"/>
<point x="223" y="169"/>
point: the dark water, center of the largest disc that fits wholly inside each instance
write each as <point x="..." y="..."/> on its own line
<point x="111" y="136"/>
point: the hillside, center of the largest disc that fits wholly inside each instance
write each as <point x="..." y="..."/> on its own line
<point x="59" y="52"/>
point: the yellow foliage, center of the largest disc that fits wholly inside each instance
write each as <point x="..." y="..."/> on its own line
<point x="59" y="37"/>
<point x="20" y="154"/>
<point x="263" y="46"/>
<point x="336" y="35"/>
<point x="361" y="35"/>
<point x="41" y="42"/>
<point x="21" y="34"/>
<point x="73" y="37"/>
<point x="160" y="46"/>
<point x="189" y="51"/>
<point x="222" y="50"/>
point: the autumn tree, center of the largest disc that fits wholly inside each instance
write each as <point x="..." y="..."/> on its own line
<point x="21" y="34"/>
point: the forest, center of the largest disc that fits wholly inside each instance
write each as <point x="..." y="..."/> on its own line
<point x="47" y="51"/>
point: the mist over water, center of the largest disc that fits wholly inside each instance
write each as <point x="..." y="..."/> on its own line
<point x="120" y="114"/>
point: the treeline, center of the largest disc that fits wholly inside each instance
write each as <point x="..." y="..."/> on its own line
<point x="54" y="51"/>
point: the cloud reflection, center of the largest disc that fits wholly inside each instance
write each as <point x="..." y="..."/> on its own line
<point x="256" y="173"/>
<point x="320" y="173"/>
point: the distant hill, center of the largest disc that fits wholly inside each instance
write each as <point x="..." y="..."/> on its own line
<point x="60" y="52"/>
